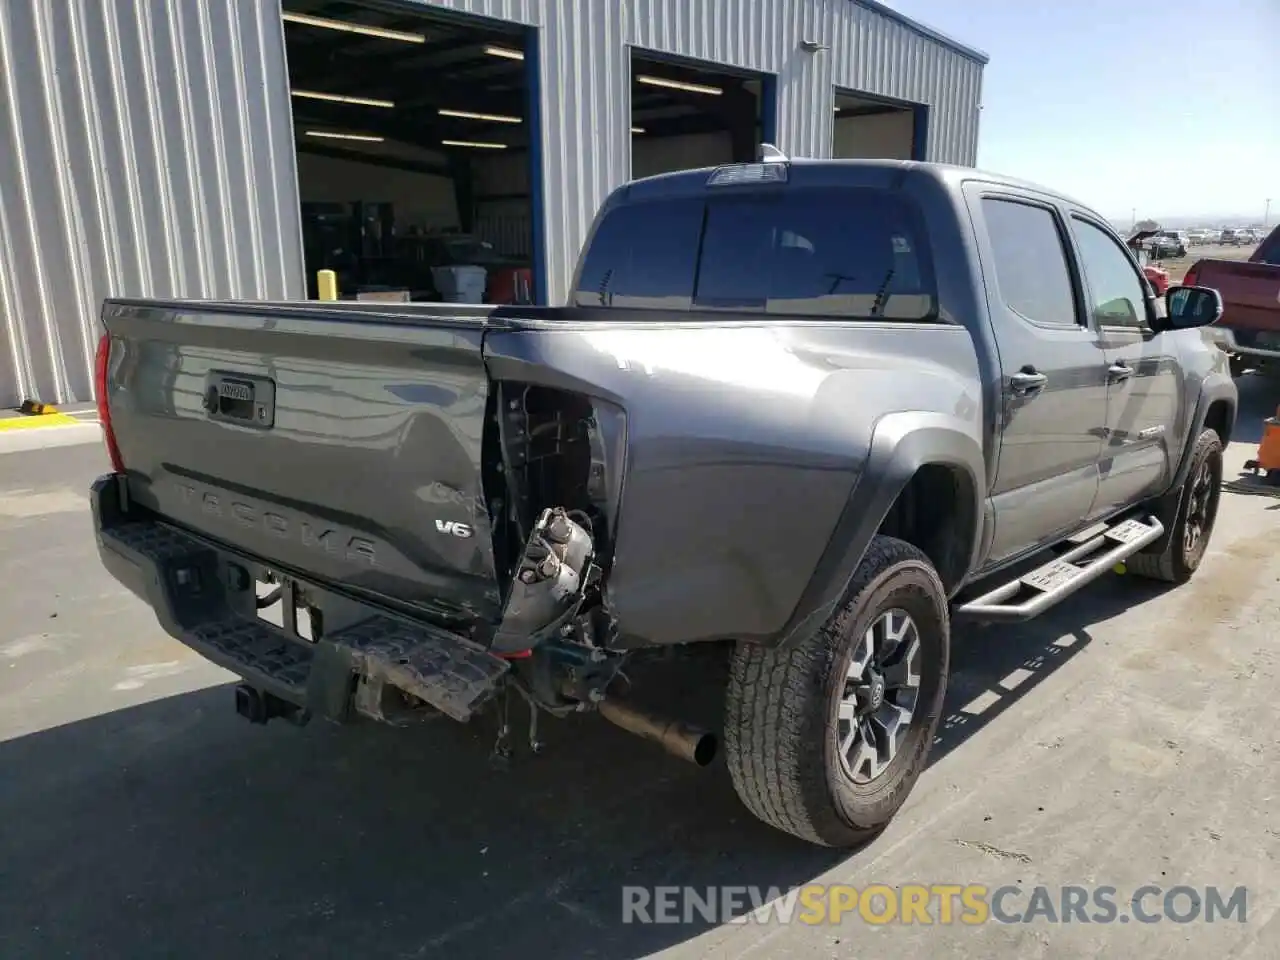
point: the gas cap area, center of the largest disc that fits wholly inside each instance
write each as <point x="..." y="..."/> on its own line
<point x="548" y="584"/>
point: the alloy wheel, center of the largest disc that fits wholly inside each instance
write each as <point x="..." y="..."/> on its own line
<point x="882" y="685"/>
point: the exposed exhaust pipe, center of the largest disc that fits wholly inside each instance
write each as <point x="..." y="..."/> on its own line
<point x="678" y="738"/>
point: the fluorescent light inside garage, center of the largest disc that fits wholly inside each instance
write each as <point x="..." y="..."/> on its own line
<point x="380" y="32"/>
<point x="333" y="135"/>
<point x="490" y="117"/>
<point x="505" y="52"/>
<point x="637" y="129"/>
<point x="474" y="144"/>
<point x="679" y="85"/>
<point x="342" y="98"/>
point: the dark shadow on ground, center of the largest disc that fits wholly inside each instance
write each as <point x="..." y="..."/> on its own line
<point x="175" y="829"/>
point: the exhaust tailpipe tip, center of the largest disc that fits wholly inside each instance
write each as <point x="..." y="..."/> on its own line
<point x="680" y="739"/>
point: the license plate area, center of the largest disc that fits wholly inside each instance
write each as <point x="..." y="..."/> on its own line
<point x="237" y="398"/>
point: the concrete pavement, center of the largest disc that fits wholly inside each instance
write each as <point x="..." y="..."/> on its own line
<point x="1129" y="737"/>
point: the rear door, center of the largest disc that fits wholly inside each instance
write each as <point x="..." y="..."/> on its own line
<point x="1054" y="394"/>
<point x="1142" y="372"/>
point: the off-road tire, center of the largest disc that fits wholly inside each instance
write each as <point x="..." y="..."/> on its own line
<point x="1168" y="559"/>
<point x="781" y="705"/>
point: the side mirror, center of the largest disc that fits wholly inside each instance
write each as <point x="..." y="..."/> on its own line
<point x="1189" y="307"/>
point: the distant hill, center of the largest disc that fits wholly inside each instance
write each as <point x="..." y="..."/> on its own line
<point x="1192" y="222"/>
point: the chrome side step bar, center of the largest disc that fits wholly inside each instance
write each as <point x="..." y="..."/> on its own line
<point x="1037" y="591"/>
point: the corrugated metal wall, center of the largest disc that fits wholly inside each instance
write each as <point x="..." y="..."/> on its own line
<point x="146" y="146"/>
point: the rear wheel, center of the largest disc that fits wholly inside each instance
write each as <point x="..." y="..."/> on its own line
<point x="826" y="738"/>
<point x="1177" y="555"/>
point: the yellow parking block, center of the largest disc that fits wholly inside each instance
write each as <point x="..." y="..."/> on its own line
<point x="32" y="423"/>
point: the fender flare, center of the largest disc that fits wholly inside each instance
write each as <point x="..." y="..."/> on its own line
<point x="901" y="444"/>
<point x="1217" y="386"/>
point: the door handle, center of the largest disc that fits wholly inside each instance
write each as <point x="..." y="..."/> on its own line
<point x="1026" y="382"/>
<point x="1120" y="371"/>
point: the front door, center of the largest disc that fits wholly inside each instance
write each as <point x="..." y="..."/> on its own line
<point x="1142" y="369"/>
<point x="1053" y="390"/>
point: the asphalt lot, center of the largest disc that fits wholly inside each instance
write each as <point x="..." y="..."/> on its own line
<point x="1129" y="737"/>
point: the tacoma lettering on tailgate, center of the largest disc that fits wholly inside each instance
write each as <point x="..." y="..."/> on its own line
<point x="310" y="535"/>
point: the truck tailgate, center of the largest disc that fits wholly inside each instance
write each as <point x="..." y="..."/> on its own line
<point x="329" y="440"/>
<point x="1250" y="292"/>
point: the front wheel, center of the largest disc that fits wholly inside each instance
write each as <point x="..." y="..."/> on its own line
<point x="826" y="738"/>
<point x="1177" y="555"/>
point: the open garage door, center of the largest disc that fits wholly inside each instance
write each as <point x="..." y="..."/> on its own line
<point x="685" y="116"/>
<point x="868" y="128"/>
<point x="415" y="143"/>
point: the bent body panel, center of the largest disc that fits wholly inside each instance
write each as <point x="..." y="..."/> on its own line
<point x="745" y="441"/>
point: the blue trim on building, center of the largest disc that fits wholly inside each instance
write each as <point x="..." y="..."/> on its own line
<point x="537" y="200"/>
<point x="920" y="132"/>
<point x="769" y="109"/>
<point x="972" y="53"/>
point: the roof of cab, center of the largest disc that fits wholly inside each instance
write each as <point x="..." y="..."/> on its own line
<point x="689" y="182"/>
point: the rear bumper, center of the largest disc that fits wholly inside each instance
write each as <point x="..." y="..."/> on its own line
<point x="204" y="596"/>
<point x="1242" y="343"/>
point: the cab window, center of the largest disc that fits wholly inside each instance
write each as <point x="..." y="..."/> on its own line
<point x="1117" y="295"/>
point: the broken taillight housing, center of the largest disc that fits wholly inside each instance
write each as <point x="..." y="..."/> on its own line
<point x="100" y="384"/>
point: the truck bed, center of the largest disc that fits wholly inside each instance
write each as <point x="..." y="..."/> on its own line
<point x="1250" y="294"/>
<point x="403" y="454"/>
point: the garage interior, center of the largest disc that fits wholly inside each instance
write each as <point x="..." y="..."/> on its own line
<point x="685" y="116"/>
<point x="866" y="128"/>
<point x="413" y="132"/>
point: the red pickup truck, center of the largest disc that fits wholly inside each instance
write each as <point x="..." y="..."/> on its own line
<point x="1250" y="327"/>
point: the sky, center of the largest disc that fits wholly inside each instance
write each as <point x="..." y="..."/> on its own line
<point x="1171" y="107"/>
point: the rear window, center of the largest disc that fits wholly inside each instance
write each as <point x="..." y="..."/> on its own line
<point x="836" y="254"/>
<point x="1269" y="252"/>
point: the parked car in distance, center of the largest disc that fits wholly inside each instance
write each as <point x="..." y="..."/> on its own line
<point x="810" y="412"/>
<point x="1249" y="331"/>
<point x="1156" y="276"/>
<point x="1234" y="238"/>
<point x="1167" y="243"/>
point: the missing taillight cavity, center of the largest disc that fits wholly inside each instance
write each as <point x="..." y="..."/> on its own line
<point x="544" y="460"/>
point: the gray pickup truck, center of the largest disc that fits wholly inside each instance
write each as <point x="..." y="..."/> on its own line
<point x="812" y="411"/>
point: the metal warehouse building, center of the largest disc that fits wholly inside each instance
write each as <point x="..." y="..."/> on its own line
<point x="232" y="148"/>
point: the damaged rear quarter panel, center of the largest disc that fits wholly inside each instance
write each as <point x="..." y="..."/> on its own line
<point x="745" y="440"/>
